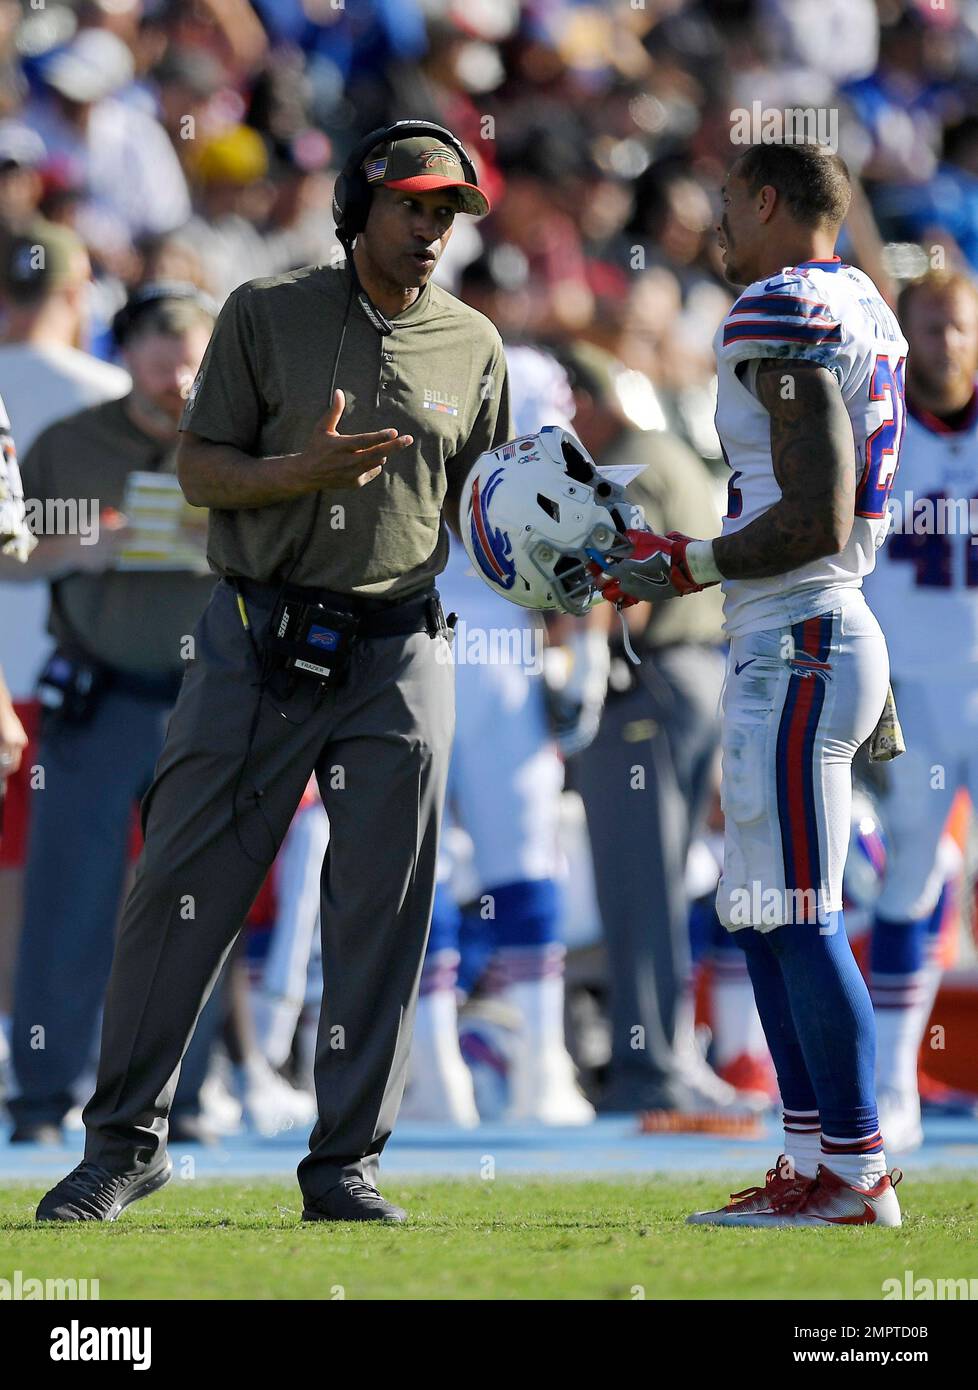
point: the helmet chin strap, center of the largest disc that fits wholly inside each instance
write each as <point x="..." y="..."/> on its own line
<point x="626" y="637"/>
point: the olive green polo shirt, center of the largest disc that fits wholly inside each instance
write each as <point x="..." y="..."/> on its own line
<point x="133" y="621"/>
<point x="439" y="376"/>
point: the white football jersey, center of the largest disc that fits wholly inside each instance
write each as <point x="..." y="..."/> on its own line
<point x="832" y="314"/>
<point x="925" y="588"/>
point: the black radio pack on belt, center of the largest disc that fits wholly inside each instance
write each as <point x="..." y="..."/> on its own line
<point x="312" y="632"/>
<point x="313" y="638"/>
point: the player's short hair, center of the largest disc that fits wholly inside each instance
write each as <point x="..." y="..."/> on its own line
<point x="936" y="282"/>
<point x="171" y="318"/>
<point x="812" y="179"/>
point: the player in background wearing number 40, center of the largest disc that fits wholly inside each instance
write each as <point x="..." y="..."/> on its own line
<point x="925" y="593"/>
<point x="810" y="413"/>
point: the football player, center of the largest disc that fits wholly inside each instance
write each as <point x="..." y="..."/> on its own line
<point x="925" y="594"/>
<point x="811" y="415"/>
<point x="504" y="789"/>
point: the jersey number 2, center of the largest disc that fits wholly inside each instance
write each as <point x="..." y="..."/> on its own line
<point x="883" y="445"/>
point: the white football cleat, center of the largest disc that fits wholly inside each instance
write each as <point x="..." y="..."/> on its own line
<point x="222" y="1111"/>
<point x="828" y="1200"/>
<point x="544" y="1089"/>
<point x="899" y="1115"/>
<point x="780" y="1183"/>
<point x="706" y="1088"/>
<point x="270" y="1104"/>
<point x="439" y="1088"/>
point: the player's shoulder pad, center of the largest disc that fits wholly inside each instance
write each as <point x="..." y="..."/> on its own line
<point x="782" y="315"/>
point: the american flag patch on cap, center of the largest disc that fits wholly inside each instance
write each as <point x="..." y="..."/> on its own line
<point x="375" y="169"/>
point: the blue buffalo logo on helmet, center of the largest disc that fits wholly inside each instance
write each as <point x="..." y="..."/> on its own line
<point x="492" y="548"/>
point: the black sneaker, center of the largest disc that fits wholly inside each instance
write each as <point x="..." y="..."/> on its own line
<point x="92" y="1193"/>
<point x="353" y="1200"/>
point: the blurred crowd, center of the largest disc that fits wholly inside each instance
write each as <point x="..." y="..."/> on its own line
<point x="196" y="141"/>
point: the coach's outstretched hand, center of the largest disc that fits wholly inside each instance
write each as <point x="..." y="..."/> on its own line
<point x="337" y="460"/>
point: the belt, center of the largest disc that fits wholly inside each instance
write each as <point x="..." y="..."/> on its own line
<point x="418" y="612"/>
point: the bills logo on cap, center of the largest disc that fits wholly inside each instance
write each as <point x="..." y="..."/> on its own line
<point x="491" y="547"/>
<point x="449" y="164"/>
<point x="375" y="169"/>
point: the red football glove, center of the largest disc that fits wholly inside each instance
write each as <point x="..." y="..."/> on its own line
<point x="655" y="569"/>
<point x="682" y="579"/>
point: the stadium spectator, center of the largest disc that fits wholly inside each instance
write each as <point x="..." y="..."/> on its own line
<point x="944" y="212"/>
<point x="121" y="638"/>
<point x="22" y="153"/>
<point x="233" y="199"/>
<point x="133" y="180"/>
<point x="44" y="375"/>
<point x="187" y="84"/>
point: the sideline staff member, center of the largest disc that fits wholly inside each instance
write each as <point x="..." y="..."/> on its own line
<point x="303" y="514"/>
<point x="106" y="692"/>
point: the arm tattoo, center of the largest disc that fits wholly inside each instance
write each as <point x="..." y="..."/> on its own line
<point x="814" y="459"/>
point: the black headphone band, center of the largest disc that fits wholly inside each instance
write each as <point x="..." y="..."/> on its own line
<point x="351" y="191"/>
<point x="153" y="293"/>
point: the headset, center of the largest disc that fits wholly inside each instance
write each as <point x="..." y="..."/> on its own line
<point x="351" y="191"/>
<point x="157" y="292"/>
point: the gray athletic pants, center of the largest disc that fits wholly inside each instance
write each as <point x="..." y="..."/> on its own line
<point x="644" y="781"/>
<point x="380" y="748"/>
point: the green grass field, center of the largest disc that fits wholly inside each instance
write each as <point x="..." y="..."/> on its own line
<point x="508" y="1239"/>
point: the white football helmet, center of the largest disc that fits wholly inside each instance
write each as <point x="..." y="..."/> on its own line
<point x="535" y="514"/>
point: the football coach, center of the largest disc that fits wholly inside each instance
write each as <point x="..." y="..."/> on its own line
<point x="330" y="429"/>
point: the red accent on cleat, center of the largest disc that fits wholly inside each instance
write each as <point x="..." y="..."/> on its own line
<point x="781" y="1191"/>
